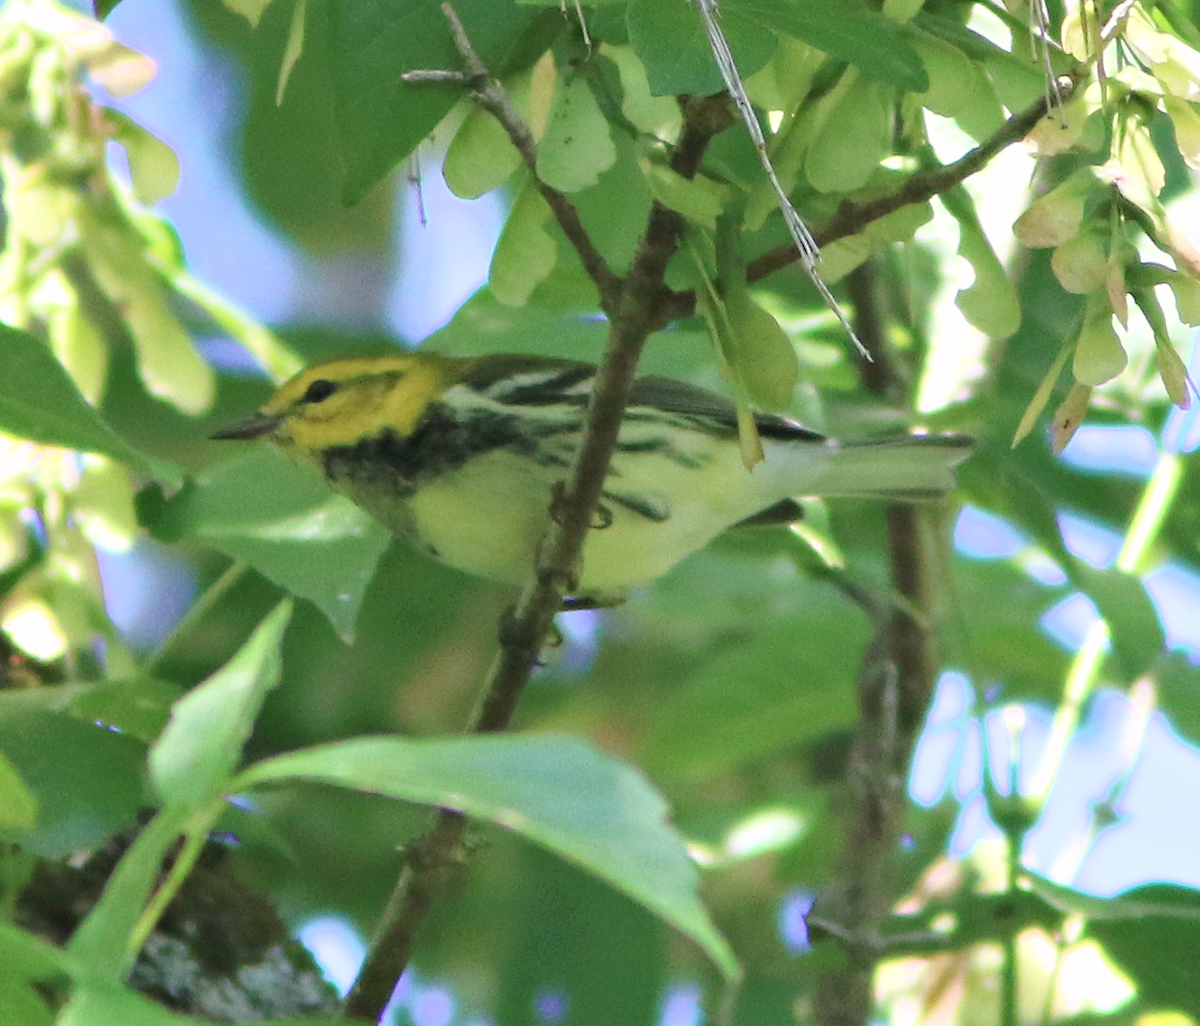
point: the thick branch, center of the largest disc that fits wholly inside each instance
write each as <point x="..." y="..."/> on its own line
<point x="895" y="685"/>
<point x="493" y="98"/>
<point x="432" y="859"/>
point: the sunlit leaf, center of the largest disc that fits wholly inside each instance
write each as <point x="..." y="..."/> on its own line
<point x="480" y="156"/>
<point x="526" y="252"/>
<point x="39" y="401"/>
<point x="292" y="49"/>
<point x="18" y="806"/>
<point x="990" y="302"/>
<point x="854" y="124"/>
<point x="153" y="166"/>
<point x="699" y="199"/>
<point x="380" y="119"/>
<point x="1056" y="217"/>
<point x="1137" y="928"/>
<point x="557" y="791"/>
<point x="251" y="10"/>
<point x="194" y="758"/>
<point x="261" y="509"/>
<point x="1081" y="264"/>
<point x="1099" y="355"/>
<point x="577" y="146"/>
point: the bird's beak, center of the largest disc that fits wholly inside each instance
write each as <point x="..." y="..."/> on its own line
<point x="257" y="426"/>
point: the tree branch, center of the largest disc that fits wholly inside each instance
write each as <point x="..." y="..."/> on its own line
<point x="493" y="98"/>
<point x="431" y="861"/>
<point x="852" y="218"/>
<point x="895" y="685"/>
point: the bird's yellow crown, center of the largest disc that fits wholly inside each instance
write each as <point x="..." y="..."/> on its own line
<point x="343" y="401"/>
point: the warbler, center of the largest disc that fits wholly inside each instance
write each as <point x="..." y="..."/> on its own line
<point x="461" y="455"/>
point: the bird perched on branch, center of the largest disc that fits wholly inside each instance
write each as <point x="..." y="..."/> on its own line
<point x="461" y="456"/>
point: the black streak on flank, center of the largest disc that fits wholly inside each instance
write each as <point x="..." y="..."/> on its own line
<point x="640" y="505"/>
<point x="663" y="447"/>
<point x="440" y="444"/>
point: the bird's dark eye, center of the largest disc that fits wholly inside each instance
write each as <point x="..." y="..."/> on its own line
<point x="319" y="391"/>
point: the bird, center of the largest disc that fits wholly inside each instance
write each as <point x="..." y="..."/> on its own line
<point x="462" y="456"/>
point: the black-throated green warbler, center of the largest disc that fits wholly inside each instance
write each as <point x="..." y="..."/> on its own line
<point x="461" y="456"/>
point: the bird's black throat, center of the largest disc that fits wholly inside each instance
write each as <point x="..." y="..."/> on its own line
<point x="441" y="443"/>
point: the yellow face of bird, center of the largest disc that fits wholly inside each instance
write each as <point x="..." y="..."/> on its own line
<point x="345" y="401"/>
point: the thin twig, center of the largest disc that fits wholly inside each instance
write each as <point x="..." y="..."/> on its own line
<point x="493" y="98"/>
<point x="432" y="860"/>
<point x="852" y="218"/>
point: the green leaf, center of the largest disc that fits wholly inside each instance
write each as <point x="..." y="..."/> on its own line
<point x="480" y="157"/>
<point x="39" y="401"/>
<point x="27" y="961"/>
<point x="559" y="792"/>
<point x="93" y="1003"/>
<point x="18" y="806"/>
<point x="292" y="50"/>
<point x="1133" y="623"/>
<point x="853" y="128"/>
<point x="21" y="1004"/>
<point x="1002" y="486"/>
<point x="87" y="781"/>
<point x="26" y="957"/>
<point x="844" y="29"/>
<point x="761" y="355"/>
<point x="193" y="760"/>
<point x="138" y="706"/>
<point x="1005" y="645"/>
<point x="380" y="119"/>
<point x="103" y="944"/>
<point x="990" y="303"/>
<point x="669" y="37"/>
<point x="577" y="146"/>
<point x="261" y="509"/>
<point x="251" y="10"/>
<point x="699" y="199"/>
<point x="1099" y="354"/>
<point x="951" y="74"/>
<point x="758" y="353"/>
<point x="790" y="688"/>
<point x="1151" y="932"/>
<point x="1177" y="684"/>
<point x="526" y="252"/>
<point x="153" y="166"/>
<point x="102" y="1004"/>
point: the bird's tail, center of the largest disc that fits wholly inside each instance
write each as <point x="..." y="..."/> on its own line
<point x="910" y="468"/>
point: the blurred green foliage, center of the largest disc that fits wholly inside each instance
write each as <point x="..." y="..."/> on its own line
<point x="675" y="774"/>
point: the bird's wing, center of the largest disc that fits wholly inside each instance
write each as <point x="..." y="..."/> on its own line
<point x="542" y="381"/>
<point x="690" y="401"/>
